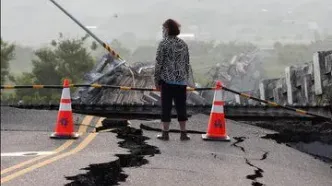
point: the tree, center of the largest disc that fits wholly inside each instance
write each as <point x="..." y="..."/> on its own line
<point x="72" y="59"/>
<point x="46" y="67"/>
<point x="65" y="58"/>
<point x="25" y="79"/>
<point x="45" y="70"/>
<point x="7" y="54"/>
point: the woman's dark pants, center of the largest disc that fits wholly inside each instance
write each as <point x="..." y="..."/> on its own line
<point x="178" y="93"/>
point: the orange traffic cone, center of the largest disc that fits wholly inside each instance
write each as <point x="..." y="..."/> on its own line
<point x="217" y="124"/>
<point x="64" y="125"/>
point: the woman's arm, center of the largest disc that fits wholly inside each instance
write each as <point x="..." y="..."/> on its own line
<point x="187" y="67"/>
<point x="187" y="62"/>
<point x="158" y="65"/>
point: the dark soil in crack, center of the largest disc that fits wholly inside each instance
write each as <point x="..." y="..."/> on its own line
<point x="111" y="173"/>
<point x="323" y="158"/>
<point x="258" y="171"/>
<point x="297" y="131"/>
<point x="112" y="123"/>
<point x="292" y="133"/>
<point x="239" y="140"/>
<point x="258" y="174"/>
<point x="264" y="156"/>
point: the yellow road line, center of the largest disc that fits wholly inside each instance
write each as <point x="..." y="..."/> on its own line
<point x="99" y="124"/>
<point x="80" y="147"/>
<point x="68" y="143"/>
<point x="107" y="130"/>
<point x="85" y="123"/>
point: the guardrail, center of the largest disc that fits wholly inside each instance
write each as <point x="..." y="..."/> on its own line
<point x="274" y="104"/>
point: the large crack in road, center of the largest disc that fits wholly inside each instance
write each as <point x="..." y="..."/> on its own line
<point x="289" y="139"/>
<point x="310" y="137"/>
<point x="264" y="156"/>
<point x="112" y="172"/>
<point x="258" y="174"/>
<point x="239" y="140"/>
<point x="258" y="171"/>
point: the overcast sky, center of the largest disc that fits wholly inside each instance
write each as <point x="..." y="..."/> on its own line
<point x="34" y="22"/>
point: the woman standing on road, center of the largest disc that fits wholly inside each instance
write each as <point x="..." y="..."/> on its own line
<point x="172" y="77"/>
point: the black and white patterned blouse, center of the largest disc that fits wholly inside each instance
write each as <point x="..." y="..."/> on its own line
<point x="172" y="61"/>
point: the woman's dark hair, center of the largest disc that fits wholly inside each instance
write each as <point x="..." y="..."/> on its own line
<point x="172" y="26"/>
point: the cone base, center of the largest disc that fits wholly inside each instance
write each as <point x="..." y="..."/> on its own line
<point x="221" y="138"/>
<point x="64" y="136"/>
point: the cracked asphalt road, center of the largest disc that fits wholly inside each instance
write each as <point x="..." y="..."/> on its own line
<point x="194" y="162"/>
<point x="253" y="161"/>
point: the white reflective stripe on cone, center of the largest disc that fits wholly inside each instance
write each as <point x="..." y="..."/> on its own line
<point x="218" y="109"/>
<point x="65" y="93"/>
<point x="218" y="95"/>
<point x="65" y="107"/>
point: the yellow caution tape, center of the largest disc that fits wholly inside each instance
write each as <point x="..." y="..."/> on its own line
<point x="108" y="48"/>
<point x="245" y="95"/>
<point x="111" y="51"/>
<point x="301" y="111"/>
<point x="37" y="86"/>
<point x="272" y="103"/>
<point x="96" y="85"/>
<point x="125" y="88"/>
<point x="9" y="86"/>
